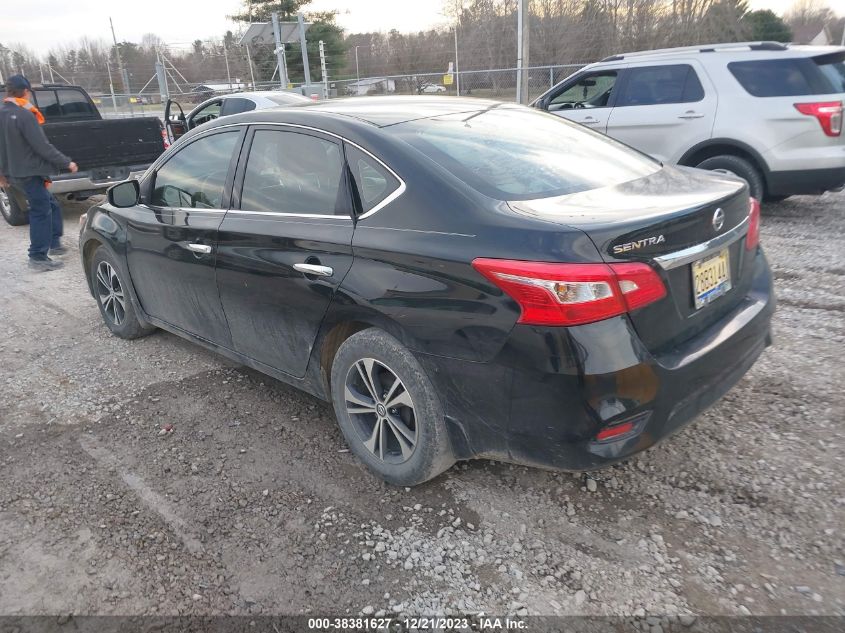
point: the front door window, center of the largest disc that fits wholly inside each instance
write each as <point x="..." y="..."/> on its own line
<point x="590" y="91"/>
<point x="195" y="177"/>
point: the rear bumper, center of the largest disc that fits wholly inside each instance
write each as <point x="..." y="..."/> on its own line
<point x="551" y="390"/>
<point x="90" y="181"/>
<point x="805" y="181"/>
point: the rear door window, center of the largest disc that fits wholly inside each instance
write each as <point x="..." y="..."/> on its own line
<point x="372" y="180"/>
<point x="75" y="104"/>
<point x="48" y="103"/>
<point x="786" y="77"/>
<point x="291" y="172"/>
<point x="655" y="85"/>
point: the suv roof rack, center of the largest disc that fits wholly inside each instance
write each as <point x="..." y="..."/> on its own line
<point x="703" y="48"/>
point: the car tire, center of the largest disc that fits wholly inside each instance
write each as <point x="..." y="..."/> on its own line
<point x="738" y="167"/>
<point x="406" y="444"/>
<point x="13" y="207"/>
<point x="112" y="296"/>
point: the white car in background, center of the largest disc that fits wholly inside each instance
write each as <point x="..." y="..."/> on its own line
<point x="432" y="89"/>
<point x="770" y="113"/>
<point x="225" y="105"/>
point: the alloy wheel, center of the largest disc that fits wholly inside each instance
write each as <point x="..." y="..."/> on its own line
<point x="110" y="293"/>
<point x="381" y="410"/>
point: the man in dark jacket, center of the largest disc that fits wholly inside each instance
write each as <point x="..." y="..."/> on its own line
<point x="27" y="159"/>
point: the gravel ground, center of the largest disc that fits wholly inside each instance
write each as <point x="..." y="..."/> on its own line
<point x="100" y="513"/>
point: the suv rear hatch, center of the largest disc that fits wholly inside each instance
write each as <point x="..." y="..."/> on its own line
<point x="666" y="220"/>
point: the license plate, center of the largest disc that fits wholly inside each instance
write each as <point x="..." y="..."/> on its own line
<point x="711" y="278"/>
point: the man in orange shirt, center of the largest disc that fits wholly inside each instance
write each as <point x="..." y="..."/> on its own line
<point x="27" y="159"/>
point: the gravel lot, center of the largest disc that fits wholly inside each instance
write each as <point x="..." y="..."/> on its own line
<point x="252" y="505"/>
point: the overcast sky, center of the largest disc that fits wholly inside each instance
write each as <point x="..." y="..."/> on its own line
<point x="42" y="24"/>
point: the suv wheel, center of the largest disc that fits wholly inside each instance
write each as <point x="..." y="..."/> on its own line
<point x="388" y="410"/>
<point x="730" y="164"/>
<point x="113" y="297"/>
<point x="13" y="211"/>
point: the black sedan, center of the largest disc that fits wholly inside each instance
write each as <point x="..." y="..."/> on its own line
<point x="460" y="278"/>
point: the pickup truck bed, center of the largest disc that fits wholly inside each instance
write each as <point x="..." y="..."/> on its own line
<point x="107" y="151"/>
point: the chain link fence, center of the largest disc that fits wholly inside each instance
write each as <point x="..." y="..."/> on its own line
<point x="499" y="84"/>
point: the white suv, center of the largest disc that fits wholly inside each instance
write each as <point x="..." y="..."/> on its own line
<point x="768" y="112"/>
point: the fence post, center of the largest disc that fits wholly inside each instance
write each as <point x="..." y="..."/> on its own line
<point x="280" y="52"/>
<point x="162" y="82"/>
<point x="304" y="45"/>
<point x="551" y="77"/>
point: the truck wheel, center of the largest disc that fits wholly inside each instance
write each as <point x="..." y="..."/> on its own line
<point x="728" y="163"/>
<point x="113" y="298"/>
<point x="388" y="410"/>
<point x="13" y="207"/>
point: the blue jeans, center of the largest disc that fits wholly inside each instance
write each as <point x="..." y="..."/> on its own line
<point x="45" y="217"/>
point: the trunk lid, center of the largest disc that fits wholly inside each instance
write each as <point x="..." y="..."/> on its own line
<point x="663" y="220"/>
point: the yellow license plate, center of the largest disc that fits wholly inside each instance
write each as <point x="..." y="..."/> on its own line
<point x="711" y="278"/>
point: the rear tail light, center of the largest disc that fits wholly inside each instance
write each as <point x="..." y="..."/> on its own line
<point x="752" y="239"/>
<point x="165" y="139"/>
<point x="573" y="294"/>
<point x="829" y="114"/>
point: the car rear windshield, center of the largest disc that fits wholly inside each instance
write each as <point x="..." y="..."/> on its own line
<point x="511" y="153"/>
<point x="802" y="76"/>
<point x="289" y="99"/>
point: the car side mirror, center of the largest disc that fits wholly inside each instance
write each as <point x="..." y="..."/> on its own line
<point x="124" y="194"/>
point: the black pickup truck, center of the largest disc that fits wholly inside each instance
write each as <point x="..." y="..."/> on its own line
<point x="106" y="150"/>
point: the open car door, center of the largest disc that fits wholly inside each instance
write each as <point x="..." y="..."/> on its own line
<point x="175" y="124"/>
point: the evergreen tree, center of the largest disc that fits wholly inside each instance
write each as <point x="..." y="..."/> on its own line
<point x="765" y="25"/>
<point x="323" y="27"/>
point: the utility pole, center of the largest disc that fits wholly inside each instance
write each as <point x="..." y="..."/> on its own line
<point x="522" y="53"/>
<point x="226" y="58"/>
<point x="304" y="45"/>
<point x="41" y="70"/>
<point x="280" y="51"/>
<point x="357" y="73"/>
<point x="249" y="62"/>
<point x="111" y="86"/>
<point x="323" y="69"/>
<point x="124" y="76"/>
<point x="458" y="8"/>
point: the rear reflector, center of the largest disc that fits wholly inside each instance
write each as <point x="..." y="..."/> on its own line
<point x="573" y="294"/>
<point x="752" y="239"/>
<point x="615" y="431"/>
<point x="828" y="113"/>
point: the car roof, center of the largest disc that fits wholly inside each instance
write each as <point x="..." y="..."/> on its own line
<point x="736" y="50"/>
<point x="263" y="93"/>
<point x="390" y="110"/>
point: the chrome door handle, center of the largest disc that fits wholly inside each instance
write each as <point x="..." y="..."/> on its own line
<point x="691" y="115"/>
<point x="205" y="249"/>
<point x="590" y="121"/>
<point x="314" y="269"/>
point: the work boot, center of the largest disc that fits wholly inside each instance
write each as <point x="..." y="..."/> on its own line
<point x="43" y="265"/>
<point x="57" y="250"/>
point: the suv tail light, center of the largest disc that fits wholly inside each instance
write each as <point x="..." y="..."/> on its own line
<point x="573" y="294"/>
<point x="829" y="114"/>
<point x="752" y="239"/>
<point x="165" y="139"/>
